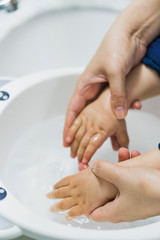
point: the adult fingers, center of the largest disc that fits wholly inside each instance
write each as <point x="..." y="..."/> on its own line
<point x="109" y="172"/>
<point x="115" y="144"/>
<point x="106" y="213"/>
<point x="122" y="135"/>
<point x="118" y="94"/>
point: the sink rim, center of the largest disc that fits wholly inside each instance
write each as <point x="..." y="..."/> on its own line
<point x="31" y="223"/>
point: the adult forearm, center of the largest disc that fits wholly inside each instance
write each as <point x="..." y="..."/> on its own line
<point x="141" y="19"/>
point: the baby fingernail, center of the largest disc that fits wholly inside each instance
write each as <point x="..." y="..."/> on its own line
<point x="68" y="139"/>
<point x="73" y="155"/>
<point x="49" y="195"/>
<point x="53" y="209"/>
<point x="120" y="112"/>
<point x="68" y="218"/>
<point x="85" y="166"/>
<point x="84" y="160"/>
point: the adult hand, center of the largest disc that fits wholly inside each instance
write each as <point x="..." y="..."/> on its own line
<point x="122" y="48"/>
<point x="138" y="190"/>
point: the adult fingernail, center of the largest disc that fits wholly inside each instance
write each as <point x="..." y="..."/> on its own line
<point x="120" y="112"/>
<point x="94" y="165"/>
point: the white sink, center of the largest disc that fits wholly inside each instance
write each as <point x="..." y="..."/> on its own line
<point x="52" y="34"/>
<point x="63" y="37"/>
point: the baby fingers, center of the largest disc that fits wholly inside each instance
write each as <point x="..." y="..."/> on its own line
<point x="59" y="193"/>
<point x="64" y="182"/>
<point x="95" y="142"/>
<point x="73" y="129"/>
<point x="77" y="139"/>
<point x="76" y="211"/>
<point x="83" y="145"/>
<point x="64" y="205"/>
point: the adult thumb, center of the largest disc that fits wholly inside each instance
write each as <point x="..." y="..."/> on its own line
<point x="119" y="103"/>
<point x="109" y="172"/>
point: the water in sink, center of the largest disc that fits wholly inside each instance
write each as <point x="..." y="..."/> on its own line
<point x="38" y="160"/>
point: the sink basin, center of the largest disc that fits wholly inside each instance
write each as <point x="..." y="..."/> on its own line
<point x="32" y="159"/>
<point x="49" y="34"/>
<point x="63" y="37"/>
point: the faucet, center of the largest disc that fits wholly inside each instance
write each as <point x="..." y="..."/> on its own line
<point x="9" y="5"/>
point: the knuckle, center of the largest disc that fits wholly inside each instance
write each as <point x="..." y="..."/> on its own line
<point x="118" y="97"/>
<point x="114" y="68"/>
<point x="78" y="137"/>
<point x="102" y="130"/>
<point x="117" y="65"/>
<point x="80" y="156"/>
<point x="83" y="144"/>
<point x="99" y="165"/>
<point x="94" y="144"/>
<point x="61" y="205"/>
<point x="88" y="154"/>
<point x="77" y="122"/>
<point x="73" y="184"/>
<point x="90" y="129"/>
<point x="56" y="193"/>
<point x="73" y="147"/>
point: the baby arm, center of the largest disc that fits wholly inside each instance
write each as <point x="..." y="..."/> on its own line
<point x="142" y="83"/>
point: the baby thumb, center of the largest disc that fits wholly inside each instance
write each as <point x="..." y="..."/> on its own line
<point x="108" y="171"/>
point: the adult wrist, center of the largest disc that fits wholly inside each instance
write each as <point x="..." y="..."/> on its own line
<point x="141" y="20"/>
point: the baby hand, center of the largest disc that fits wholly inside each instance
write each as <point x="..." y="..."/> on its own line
<point x="82" y="193"/>
<point x="93" y="126"/>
